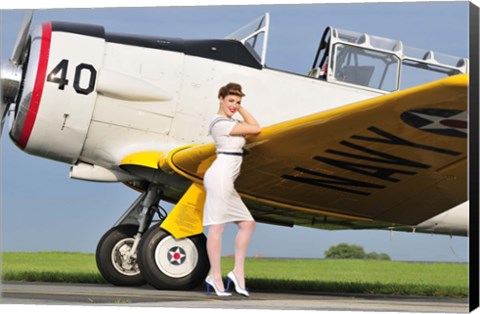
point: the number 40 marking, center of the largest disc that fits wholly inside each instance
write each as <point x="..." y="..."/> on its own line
<point x="59" y="76"/>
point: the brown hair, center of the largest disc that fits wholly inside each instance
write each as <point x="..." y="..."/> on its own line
<point x="230" y="89"/>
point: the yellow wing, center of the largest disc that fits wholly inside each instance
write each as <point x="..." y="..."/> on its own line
<point x="399" y="158"/>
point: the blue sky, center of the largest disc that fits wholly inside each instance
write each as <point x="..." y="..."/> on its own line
<point x="44" y="210"/>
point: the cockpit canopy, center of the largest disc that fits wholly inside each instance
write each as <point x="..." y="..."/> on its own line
<point x="379" y="63"/>
<point x="360" y="60"/>
<point x="254" y="36"/>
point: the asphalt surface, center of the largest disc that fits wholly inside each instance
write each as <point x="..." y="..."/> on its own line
<point x="145" y="296"/>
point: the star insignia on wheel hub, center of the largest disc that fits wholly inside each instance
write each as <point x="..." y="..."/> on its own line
<point x="176" y="255"/>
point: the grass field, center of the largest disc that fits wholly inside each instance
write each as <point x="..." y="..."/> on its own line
<point x="353" y="276"/>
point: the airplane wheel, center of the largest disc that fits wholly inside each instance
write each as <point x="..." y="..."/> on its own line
<point x="171" y="264"/>
<point x="112" y="261"/>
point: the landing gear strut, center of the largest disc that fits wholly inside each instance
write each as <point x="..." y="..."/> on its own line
<point x="116" y="254"/>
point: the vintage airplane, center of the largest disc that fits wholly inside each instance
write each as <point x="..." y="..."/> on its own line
<point x="343" y="147"/>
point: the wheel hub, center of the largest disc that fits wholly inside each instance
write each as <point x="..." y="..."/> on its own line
<point x="122" y="259"/>
<point x="176" y="258"/>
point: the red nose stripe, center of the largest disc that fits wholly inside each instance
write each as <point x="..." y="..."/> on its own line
<point x="38" y="87"/>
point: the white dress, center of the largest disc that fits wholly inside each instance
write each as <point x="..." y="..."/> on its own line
<point x="223" y="204"/>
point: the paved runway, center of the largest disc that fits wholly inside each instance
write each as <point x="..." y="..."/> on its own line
<point x="104" y="294"/>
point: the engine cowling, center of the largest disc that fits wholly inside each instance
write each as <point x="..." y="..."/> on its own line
<point x="58" y="94"/>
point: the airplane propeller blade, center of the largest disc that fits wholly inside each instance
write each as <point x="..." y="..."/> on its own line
<point x="19" y="48"/>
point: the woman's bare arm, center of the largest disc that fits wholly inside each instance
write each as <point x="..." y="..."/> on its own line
<point x="249" y="126"/>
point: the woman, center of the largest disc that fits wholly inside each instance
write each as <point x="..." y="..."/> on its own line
<point x="223" y="204"/>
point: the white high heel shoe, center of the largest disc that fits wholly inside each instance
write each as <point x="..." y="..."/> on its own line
<point x="210" y="283"/>
<point x="232" y="278"/>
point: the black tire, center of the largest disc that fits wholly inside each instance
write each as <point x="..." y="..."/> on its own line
<point x="170" y="264"/>
<point x="109" y="257"/>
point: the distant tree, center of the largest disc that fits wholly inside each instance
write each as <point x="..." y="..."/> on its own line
<point x="379" y="256"/>
<point x="352" y="251"/>
<point x="372" y="255"/>
<point x="345" y="251"/>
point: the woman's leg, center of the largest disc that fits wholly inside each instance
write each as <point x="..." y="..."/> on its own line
<point x="244" y="234"/>
<point x="214" y="251"/>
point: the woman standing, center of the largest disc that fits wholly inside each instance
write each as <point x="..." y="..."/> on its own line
<point x="223" y="204"/>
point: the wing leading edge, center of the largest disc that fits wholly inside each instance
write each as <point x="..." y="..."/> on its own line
<point x="399" y="158"/>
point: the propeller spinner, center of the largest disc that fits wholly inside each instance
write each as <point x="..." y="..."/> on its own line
<point x="11" y="70"/>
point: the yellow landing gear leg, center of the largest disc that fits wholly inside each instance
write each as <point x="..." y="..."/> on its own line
<point x="186" y="218"/>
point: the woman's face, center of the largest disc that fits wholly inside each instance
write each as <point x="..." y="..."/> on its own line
<point x="229" y="105"/>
